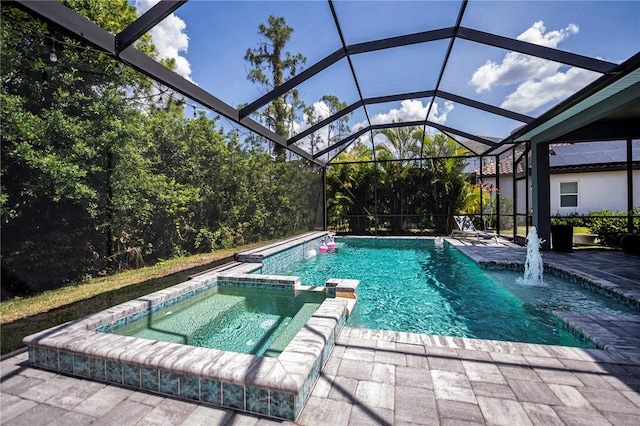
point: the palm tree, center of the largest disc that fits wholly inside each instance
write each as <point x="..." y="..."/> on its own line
<point x="351" y="189"/>
<point x="396" y="177"/>
<point x="401" y="143"/>
<point x="444" y="185"/>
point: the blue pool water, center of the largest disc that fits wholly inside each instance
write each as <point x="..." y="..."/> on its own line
<point x="251" y="321"/>
<point x="417" y="286"/>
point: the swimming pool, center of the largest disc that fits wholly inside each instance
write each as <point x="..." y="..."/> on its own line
<point x="415" y="285"/>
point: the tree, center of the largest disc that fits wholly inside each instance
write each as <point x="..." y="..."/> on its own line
<point x="335" y="130"/>
<point x="400" y="145"/>
<point x="60" y="156"/>
<point x="445" y="186"/>
<point x="102" y="171"/>
<point x="430" y="187"/>
<point x="351" y="191"/>
<point x="270" y="56"/>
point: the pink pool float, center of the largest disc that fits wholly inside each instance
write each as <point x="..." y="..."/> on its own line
<point x="331" y="244"/>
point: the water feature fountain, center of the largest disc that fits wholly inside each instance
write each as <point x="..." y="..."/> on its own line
<point x="533" y="266"/>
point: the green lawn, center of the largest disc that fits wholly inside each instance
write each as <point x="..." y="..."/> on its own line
<point x="21" y="317"/>
<point x="576" y="230"/>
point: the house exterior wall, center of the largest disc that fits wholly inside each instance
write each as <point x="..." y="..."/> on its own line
<point x="596" y="191"/>
<point x="521" y="208"/>
<point x="506" y="190"/>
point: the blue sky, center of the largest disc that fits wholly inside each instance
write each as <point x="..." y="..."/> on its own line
<point x="210" y="38"/>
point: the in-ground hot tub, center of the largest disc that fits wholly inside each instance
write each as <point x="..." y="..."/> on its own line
<point x="245" y="320"/>
<point x="271" y="386"/>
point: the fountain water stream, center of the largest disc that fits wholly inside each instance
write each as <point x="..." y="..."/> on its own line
<point x="533" y="267"/>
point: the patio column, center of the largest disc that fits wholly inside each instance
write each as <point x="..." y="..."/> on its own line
<point x="629" y="185"/>
<point x="541" y="193"/>
<point x="324" y="199"/>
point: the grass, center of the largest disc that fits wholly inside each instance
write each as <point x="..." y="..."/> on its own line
<point x="21" y="317"/>
<point x="576" y="230"/>
<point x="581" y="230"/>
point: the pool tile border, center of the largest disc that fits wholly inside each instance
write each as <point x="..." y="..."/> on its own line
<point x="273" y="387"/>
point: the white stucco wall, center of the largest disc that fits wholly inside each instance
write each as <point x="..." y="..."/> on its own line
<point x="596" y="191"/>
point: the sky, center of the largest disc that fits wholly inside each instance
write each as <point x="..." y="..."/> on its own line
<point x="209" y="38"/>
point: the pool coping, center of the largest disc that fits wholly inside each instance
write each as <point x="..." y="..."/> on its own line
<point x="272" y="387"/>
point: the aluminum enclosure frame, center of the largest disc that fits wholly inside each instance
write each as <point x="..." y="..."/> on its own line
<point x="119" y="47"/>
<point x="607" y="108"/>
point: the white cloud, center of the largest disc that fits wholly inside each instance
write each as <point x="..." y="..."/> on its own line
<point x="320" y="111"/>
<point x="517" y="67"/>
<point x="539" y="80"/>
<point x="514" y="68"/>
<point x="534" y="93"/>
<point x="170" y="38"/>
<point x="440" y="117"/>
<point x="412" y="110"/>
<point x="536" y="34"/>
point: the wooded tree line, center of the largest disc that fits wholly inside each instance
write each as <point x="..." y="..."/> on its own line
<point x="102" y="171"/>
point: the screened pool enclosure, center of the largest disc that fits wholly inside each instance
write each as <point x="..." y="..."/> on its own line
<point x="399" y="97"/>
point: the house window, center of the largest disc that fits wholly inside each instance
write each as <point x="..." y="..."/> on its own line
<point x="568" y="194"/>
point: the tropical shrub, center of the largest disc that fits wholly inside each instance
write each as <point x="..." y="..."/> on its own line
<point x="611" y="226"/>
<point x="101" y="172"/>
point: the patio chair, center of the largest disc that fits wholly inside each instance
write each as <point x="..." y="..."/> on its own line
<point x="466" y="228"/>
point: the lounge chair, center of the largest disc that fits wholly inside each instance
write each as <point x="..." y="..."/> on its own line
<point x="466" y="228"/>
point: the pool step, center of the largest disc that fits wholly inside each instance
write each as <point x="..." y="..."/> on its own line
<point x="175" y="325"/>
<point x="613" y="332"/>
<point x="297" y="322"/>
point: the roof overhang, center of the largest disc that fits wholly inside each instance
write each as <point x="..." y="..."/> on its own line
<point x="609" y="108"/>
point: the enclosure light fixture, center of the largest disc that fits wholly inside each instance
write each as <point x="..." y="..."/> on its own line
<point x="53" y="55"/>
